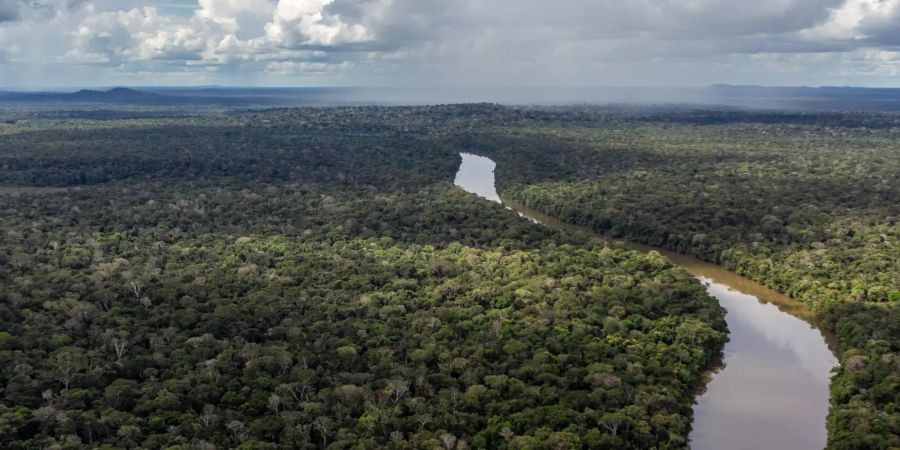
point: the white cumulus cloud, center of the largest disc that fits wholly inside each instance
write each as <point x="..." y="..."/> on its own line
<point x="461" y="41"/>
<point x="298" y="23"/>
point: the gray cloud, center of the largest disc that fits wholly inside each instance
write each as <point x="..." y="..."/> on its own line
<point x="9" y="10"/>
<point x="584" y="42"/>
<point x="883" y="29"/>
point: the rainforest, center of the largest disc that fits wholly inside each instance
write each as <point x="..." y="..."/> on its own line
<point x="310" y="278"/>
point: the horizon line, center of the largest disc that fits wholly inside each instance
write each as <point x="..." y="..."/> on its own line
<point x="430" y="87"/>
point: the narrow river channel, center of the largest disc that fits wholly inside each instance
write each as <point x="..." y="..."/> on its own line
<point x="771" y="391"/>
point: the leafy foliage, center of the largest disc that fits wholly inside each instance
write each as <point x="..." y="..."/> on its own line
<point x="169" y="267"/>
<point x="313" y="281"/>
<point x="810" y="210"/>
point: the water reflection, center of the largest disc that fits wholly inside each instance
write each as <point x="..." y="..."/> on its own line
<point x="476" y="175"/>
<point x="773" y="390"/>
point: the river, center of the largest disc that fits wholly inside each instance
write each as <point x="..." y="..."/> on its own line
<point x="771" y="390"/>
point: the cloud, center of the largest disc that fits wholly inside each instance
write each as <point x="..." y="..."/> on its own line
<point x="304" y="23"/>
<point x="292" y="67"/>
<point x="9" y="10"/>
<point x="880" y="23"/>
<point x="134" y="35"/>
<point x="242" y="18"/>
<point x="39" y="9"/>
<point x="461" y="41"/>
<point x="860" y="24"/>
<point x="219" y="32"/>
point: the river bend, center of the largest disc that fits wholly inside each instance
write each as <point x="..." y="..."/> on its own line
<point x="771" y="391"/>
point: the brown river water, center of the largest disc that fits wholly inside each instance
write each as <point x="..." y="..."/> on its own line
<point x="771" y="389"/>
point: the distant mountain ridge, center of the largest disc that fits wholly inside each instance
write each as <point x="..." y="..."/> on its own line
<point x="182" y="97"/>
<point x="116" y="95"/>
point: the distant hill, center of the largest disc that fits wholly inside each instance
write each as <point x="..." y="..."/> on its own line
<point x="127" y="96"/>
<point x="117" y="95"/>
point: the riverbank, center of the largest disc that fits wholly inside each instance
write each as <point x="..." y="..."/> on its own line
<point x="773" y="389"/>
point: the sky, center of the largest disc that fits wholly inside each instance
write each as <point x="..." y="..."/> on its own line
<point x="86" y="43"/>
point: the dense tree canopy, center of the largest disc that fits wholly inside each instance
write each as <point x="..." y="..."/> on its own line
<point x="308" y="278"/>
<point x="809" y="207"/>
